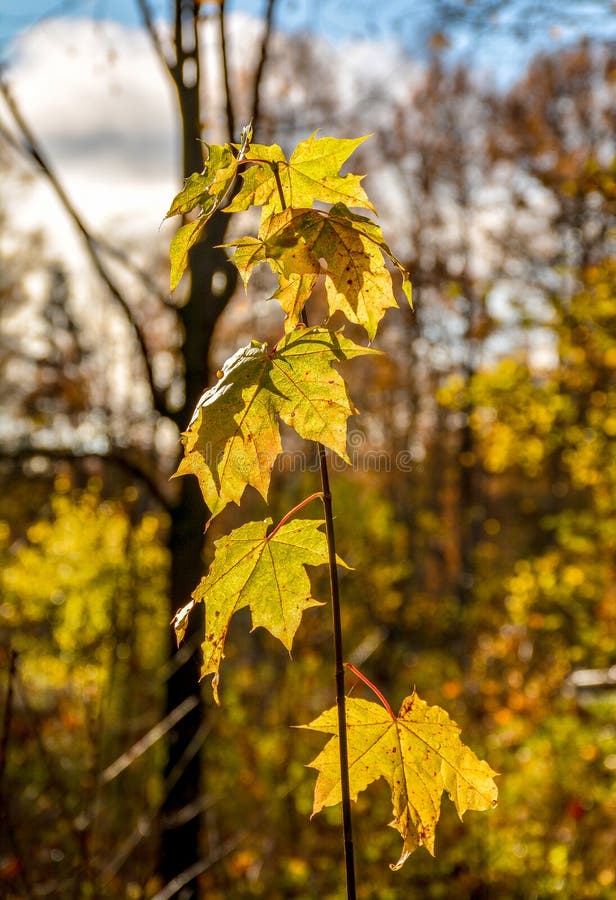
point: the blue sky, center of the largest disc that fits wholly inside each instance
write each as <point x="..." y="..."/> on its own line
<point x="101" y="105"/>
<point x="499" y="35"/>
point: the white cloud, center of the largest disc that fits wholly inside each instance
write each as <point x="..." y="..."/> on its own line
<point x="96" y="97"/>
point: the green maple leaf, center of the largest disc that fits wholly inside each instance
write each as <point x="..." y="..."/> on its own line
<point x="204" y="191"/>
<point x="234" y="437"/>
<point x="348" y="249"/>
<point x="418" y="752"/>
<point x="263" y="572"/>
<point x="312" y="173"/>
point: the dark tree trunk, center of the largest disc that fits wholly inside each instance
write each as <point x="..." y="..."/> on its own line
<point x="180" y="847"/>
<point x="212" y="283"/>
<point x="180" y="830"/>
<point x="181" y="822"/>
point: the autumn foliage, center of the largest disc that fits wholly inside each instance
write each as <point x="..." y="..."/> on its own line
<point x="474" y="499"/>
<point x="233" y="441"/>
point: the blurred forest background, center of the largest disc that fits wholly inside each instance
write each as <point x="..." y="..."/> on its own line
<point x="479" y="513"/>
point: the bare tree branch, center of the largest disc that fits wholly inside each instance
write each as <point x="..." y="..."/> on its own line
<point x="34" y="151"/>
<point x="173" y="888"/>
<point x="121" y="457"/>
<point x="100" y="243"/>
<point x="142" y="830"/>
<point x="148" y="740"/>
<point x="256" y="100"/>
<point x="148" y="22"/>
<point x="186" y="42"/>
<point x="131" y="266"/>
<point x="225" y="72"/>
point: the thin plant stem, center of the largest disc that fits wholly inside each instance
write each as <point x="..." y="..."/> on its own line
<point x="283" y="202"/>
<point x="347" y="824"/>
<point x="339" y="673"/>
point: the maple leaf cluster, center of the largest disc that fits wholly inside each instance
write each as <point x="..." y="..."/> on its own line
<point x="233" y="440"/>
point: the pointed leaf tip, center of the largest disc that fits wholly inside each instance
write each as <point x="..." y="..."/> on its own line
<point x="407" y="287"/>
<point x="180" y="621"/>
<point x="183" y="240"/>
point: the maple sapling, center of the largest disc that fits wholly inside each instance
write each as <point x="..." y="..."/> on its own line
<point x="233" y="441"/>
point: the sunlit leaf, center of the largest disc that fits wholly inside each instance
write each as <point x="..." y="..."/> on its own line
<point x="234" y="438"/>
<point x="292" y="294"/>
<point x="312" y="173"/>
<point x="418" y="752"/>
<point x="183" y="240"/>
<point x="265" y="573"/>
<point x="204" y="191"/>
<point x="349" y="250"/>
<point x="207" y="188"/>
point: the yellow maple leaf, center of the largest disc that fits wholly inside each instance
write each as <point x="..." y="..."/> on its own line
<point x="265" y="573"/>
<point x="418" y="752"/>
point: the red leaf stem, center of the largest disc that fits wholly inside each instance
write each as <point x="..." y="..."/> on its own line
<point x="292" y="512"/>
<point x="372" y="687"/>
